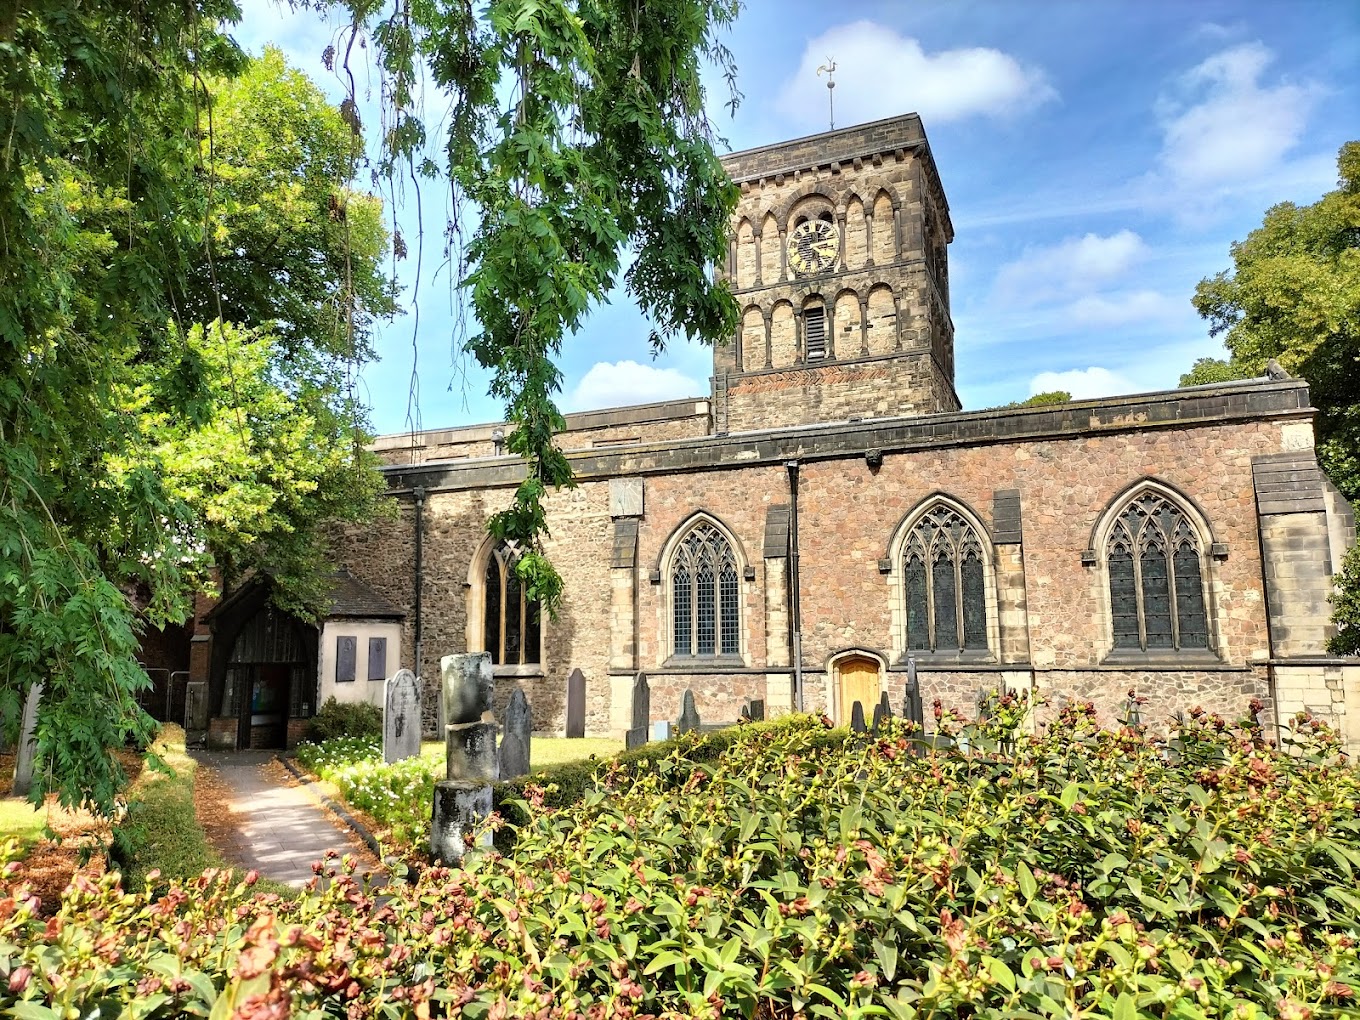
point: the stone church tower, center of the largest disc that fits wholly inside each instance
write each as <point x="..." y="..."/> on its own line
<point x="839" y="260"/>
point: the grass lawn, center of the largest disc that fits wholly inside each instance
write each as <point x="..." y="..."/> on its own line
<point x="546" y="751"/>
<point x="20" y="820"/>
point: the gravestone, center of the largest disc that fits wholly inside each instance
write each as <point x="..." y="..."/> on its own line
<point x="463" y="800"/>
<point x="882" y="713"/>
<point x="519" y="725"/>
<point x="401" y="716"/>
<point x="857" y="719"/>
<point x="459" y="806"/>
<point x="576" y="704"/>
<point x="28" y="743"/>
<point x="195" y="706"/>
<point x="912" y="708"/>
<point x="755" y="710"/>
<point x="642" y="713"/>
<point x="661" y="729"/>
<point x="689" y="715"/>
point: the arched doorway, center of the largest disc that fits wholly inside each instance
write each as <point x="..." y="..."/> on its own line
<point x="856" y="678"/>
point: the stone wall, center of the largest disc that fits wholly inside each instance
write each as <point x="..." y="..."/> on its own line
<point x="1036" y="479"/>
<point x="886" y="296"/>
<point x="586" y="430"/>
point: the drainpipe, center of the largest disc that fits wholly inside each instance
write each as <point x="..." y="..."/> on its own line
<point x="795" y="596"/>
<point x="419" y="579"/>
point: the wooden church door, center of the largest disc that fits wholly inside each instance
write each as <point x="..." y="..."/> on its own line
<point x="858" y="682"/>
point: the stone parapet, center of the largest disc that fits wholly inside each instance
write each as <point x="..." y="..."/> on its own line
<point x="1143" y="413"/>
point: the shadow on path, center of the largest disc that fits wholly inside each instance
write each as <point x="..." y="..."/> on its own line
<point x="279" y="828"/>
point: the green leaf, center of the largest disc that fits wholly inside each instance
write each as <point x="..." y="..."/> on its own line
<point x="1025" y="878"/>
<point x="1125" y="1007"/>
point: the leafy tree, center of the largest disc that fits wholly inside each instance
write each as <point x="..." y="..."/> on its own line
<point x="1294" y="295"/>
<point x="1041" y="399"/>
<point x="1215" y="370"/>
<point x="574" y="128"/>
<point x="134" y="442"/>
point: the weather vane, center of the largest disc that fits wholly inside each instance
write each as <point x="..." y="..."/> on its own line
<point x="830" y="68"/>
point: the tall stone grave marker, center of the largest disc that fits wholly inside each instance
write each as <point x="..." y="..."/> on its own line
<point x="857" y="719"/>
<point x="642" y="713"/>
<point x="519" y="725"/>
<point x="463" y="800"/>
<point x="576" y="704"/>
<point x="28" y="743"/>
<point x="689" y="715"/>
<point x="401" y="716"/>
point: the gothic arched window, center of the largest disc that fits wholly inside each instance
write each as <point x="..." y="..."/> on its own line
<point x="1155" y="562"/>
<point x="511" y="628"/>
<point x="945" y="584"/>
<point x="705" y="595"/>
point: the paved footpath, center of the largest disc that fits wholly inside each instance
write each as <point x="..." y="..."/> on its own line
<point x="281" y="829"/>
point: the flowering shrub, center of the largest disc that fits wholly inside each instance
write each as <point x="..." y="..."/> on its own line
<point x="1079" y="873"/>
<point x="397" y="796"/>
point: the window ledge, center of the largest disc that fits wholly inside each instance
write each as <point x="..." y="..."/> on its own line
<point x="529" y="669"/>
<point x="703" y="663"/>
<point x="976" y="657"/>
<point x="1162" y="658"/>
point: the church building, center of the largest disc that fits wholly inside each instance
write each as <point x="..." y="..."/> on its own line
<point x="827" y="511"/>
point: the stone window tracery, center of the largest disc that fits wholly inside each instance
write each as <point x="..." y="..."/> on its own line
<point x="945" y="585"/>
<point x="705" y="607"/>
<point x="1155" y="562"/>
<point x="512" y="630"/>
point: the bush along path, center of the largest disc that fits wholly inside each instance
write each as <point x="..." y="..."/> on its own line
<point x="797" y="873"/>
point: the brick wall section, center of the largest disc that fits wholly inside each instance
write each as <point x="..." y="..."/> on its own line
<point x="1067" y="465"/>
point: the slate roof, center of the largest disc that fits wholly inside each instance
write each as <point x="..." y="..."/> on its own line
<point x="351" y="598"/>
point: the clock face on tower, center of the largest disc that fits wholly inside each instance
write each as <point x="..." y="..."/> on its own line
<point x="812" y="247"/>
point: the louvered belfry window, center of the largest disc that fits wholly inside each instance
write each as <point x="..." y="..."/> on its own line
<point x="945" y="584"/>
<point x="814" y="331"/>
<point x="1156" y="578"/>
<point x="512" y="631"/>
<point x="705" y="612"/>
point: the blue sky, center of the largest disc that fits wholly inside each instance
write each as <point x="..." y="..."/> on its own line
<point x="1099" y="159"/>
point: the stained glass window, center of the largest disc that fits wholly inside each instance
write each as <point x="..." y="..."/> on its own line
<point x="511" y="629"/>
<point x="1156" y="596"/>
<point x="946" y="606"/>
<point x="705" y="595"/>
<point x="918" y="611"/>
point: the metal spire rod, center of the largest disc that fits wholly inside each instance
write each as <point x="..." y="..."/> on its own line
<point x="830" y="68"/>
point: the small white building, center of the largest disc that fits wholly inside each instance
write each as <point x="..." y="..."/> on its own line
<point x="360" y="644"/>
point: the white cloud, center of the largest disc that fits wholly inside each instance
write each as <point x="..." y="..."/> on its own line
<point x="1224" y="125"/>
<point x="880" y="73"/>
<point x="614" y="384"/>
<point x="1082" y="382"/>
<point x="1073" y="267"/>
<point x="1123" y="308"/>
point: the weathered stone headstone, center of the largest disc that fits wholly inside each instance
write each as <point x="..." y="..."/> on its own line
<point x="463" y="799"/>
<point x="469" y="687"/>
<point x="642" y="713"/>
<point x="519" y="725"/>
<point x="857" y="719"/>
<point x="755" y="710"/>
<point x="882" y="713"/>
<point x="459" y="807"/>
<point x="689" y="715"/>
<point x="983" y="705"/>
<point x="28" y="743"/>
<point x="576" y="704"/>
<point x="195" y="706"/>
<point x="401" y="716"/>
<point x="912" y="708"/>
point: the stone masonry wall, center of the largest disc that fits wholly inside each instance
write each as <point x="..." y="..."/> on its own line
<point x="675" y="419"/>
<point x="885" y="295"/>
<point x="848" y="512"/>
